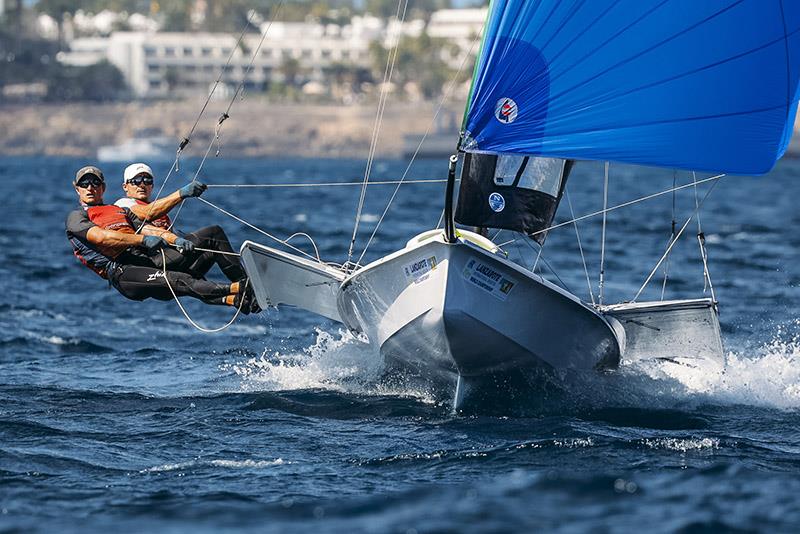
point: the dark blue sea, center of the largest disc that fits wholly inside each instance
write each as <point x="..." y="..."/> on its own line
<point x="120" y="415"/>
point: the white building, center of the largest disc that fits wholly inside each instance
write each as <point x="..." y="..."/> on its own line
<point x="156" y="63"/>
<point x="460" y="26"/>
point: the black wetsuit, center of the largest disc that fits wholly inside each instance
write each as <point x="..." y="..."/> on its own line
<point x="135" y="273"/>
<point x="199" y="263"/>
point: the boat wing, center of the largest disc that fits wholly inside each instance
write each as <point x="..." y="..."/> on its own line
<point x="282" y="278"/>
<point x="682" y="331"/>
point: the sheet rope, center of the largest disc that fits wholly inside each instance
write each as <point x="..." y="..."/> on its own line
<point x="186" y="314"/>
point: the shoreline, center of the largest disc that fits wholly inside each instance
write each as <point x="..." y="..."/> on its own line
<point x="255" y="127"/>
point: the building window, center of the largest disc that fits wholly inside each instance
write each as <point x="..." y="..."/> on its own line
<point x="188" y="52"/>
<point x="169" y="51"/>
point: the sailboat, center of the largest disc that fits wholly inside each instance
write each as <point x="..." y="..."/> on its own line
<point x="702" y="86"/>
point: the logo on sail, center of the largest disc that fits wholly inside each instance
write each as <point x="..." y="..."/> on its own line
<point x="497" y="202"/>
<point x="506" y="110"/>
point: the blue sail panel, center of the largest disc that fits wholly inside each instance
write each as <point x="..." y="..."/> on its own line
<point x="709" y="85"/>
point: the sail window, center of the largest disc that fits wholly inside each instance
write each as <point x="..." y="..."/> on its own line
<point x="528" y="172"/>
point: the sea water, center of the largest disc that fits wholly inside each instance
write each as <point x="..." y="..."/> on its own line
<point x="119" y="414"/>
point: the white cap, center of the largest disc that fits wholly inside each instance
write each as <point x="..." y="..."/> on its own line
<point x="136" y="169"/>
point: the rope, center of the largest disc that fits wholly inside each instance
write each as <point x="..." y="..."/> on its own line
<point x="264" y="232"/>
<point x="221" y="252"/>
<point x="186" y="314"/>
<point x="387" y="76"/>
<point x="669" y="249"/>
<point x="329" y="184"/>
<point x="580" y="247"/>
<point x="445" y="97"/>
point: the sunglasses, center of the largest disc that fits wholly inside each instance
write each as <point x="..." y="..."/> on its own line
<point x="142" y="179"/>
<point x="90" y="181"/>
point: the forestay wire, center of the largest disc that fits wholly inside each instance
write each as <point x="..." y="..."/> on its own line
<point x="402" y="180"/>
<point x="387" y="77"/>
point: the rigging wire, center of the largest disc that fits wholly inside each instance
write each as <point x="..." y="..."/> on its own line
<point x="619" y="206"/>
<point x="329" y="184"/>
<point x="669" y="249"/>
<point x="239" y="89"/>
<point x="187" y="139"/>
<point x="387" y="76"/>
<point x="580" y="247"/>
<point x="603" y="239"/>
<point x="445" y="97"/>
<point x="671" y="236"/>
<point x="284" y="242"/>
<point x="701" y="239"/>
<point x="544" y="260"/>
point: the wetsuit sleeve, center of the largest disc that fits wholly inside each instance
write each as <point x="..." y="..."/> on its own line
<point x="78" y="224"/>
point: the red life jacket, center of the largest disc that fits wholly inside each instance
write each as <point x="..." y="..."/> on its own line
<point x="110" y="217"/>
<point x="161" y="222"/>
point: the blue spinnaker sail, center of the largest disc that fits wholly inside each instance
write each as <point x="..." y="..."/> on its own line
<point x="692" y="84"/>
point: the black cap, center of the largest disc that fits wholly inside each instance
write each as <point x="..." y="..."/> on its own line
<point x="89" y="169"/>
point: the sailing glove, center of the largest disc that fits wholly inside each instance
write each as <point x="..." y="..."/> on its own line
<point x="193" y="189"/>
<point x="152" y="241"/>
<point x="184" y="245"/>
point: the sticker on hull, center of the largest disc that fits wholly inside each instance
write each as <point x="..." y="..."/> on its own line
<point x="420" y="270"/>
<point x="488" y="279"/>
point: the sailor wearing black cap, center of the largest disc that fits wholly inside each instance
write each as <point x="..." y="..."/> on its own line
<point x="104" y="239"/>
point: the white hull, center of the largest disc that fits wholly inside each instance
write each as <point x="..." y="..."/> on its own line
<point x="456" y="314"/>
<point x="473" y="314"/>
<point x="444" y="312"/>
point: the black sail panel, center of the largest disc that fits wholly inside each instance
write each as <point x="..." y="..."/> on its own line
<point x="519" y="193"/>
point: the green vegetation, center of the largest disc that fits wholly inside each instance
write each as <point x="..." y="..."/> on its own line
<point x="31" y="61"/>
<point x="419" y="61"/>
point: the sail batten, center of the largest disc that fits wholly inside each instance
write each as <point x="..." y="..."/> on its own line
<point x="707" y="85"/>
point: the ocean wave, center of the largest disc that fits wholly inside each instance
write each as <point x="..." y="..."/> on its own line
<point x="61" y="344"/>
<point x="226" y="464"/>
<point x="340" y="361"/>
<point x="682" y="444"/>
<point x="769" y="378"/>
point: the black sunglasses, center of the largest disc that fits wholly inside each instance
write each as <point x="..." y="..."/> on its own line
<point x="141" y="179"/>
<point x="89" y="181"/>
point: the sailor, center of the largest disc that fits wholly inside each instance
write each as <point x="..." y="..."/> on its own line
<point x="137" y="182"/>
<point x="104" y="239"/>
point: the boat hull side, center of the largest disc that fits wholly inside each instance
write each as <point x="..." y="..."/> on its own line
<point x="474" y="314"/>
